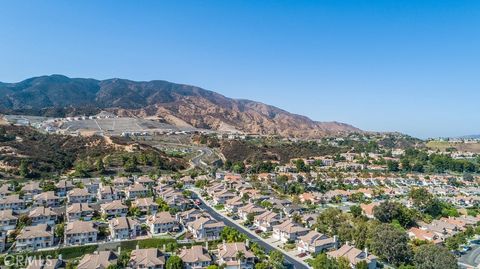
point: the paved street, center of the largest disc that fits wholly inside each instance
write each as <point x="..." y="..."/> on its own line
<point x="292" y="262"/>
<point x="471" y="258"/>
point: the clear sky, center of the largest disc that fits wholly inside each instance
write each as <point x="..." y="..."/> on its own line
<point x="409" y="66"/>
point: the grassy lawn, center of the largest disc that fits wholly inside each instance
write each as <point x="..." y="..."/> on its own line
<point x="219" y="207"/>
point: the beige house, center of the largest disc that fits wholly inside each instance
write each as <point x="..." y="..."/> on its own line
<point x="43" y="215"/>
<point x="162" y="222"/>
<point x="228" y="254"/>
<point x="34" y="238"/>
<point x="315" y="242"/>
<point x="135" y="191"/>
<point x="79" y="211"/>
<point x="114" y="209"/>
<point x="195" y="257"/>
<point x="78" y="195"/>
<point x="354" y="256"/>
<point x="267" y="220"/>
<point x="47" y="199"/>
<point x="123" y="228"/>
<point x="80" y="233"/>
<point x="98" y="260"/>
<point x="150" y="258"/>
<point x="288" y="231"/>
<point x="12" y="202"/>
<point x="146" y="205"/>
<point x="205" y="228"/>
<point x="7" y="220"/>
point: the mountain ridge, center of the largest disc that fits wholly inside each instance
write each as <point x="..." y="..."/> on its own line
<point x="171" y="102"/>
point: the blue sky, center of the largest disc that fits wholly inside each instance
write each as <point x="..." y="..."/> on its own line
<point x="409" y="66"/>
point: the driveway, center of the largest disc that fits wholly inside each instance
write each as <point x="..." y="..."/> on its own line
<point x="290" y="259"/>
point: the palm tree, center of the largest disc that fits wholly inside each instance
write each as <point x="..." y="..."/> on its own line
<point x="240" y="256"/>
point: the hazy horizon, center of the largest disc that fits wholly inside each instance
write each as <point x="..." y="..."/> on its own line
<point x="410" y="67"/>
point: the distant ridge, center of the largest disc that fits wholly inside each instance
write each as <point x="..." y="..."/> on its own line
<point x="174" y="103"/>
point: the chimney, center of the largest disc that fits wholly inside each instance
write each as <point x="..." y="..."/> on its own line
<point x="335" y="239"/>
<point x="206" y="245"/>
<point x="366" y="252"/>
<point x="60" y="257"/>
<point x="137" y="247"/>
<point x="119" y="250"/>
<point x="247" y="243"/>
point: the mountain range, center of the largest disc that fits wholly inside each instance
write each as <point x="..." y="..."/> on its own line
<point x="178" y="104"/>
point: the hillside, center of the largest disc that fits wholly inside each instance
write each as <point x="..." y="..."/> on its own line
<point x="28" y="153"/>
<point x="58" y="95"/>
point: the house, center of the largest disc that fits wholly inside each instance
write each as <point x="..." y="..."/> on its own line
<point x="135" y="191"/>
<point x="205" y="228"/>
<point x="34" y="238"/>
<point x="354" y="256"/>
<point x="92" y="185"/>
<point x="47" y="199"/>
<point x="248" y="210"/>
<point x="189" y="215"/>
<point x="63" y="187"/>
<point x="4" y="191"/>
<point x="315" y="242"/>
<point x="219" y="198"/>
<point x="232" y="205"/>
<point x="114" y="209"/>
<point x="43" y="215"/>
<point x="31" y="189"/>
<point x="106" y="193"/>
<point x="310" y="219"/>
<point x="367" y="209"/>
<point x="162" y="222"/>
<point x="146" y="181"/>
<point x="78" y="195"/>
<point x="12" y="202"/>
<point x="80" y="232"/>
<point x="98" y="260"/>
<point x="121" y="182"/>
<point x="150" y="258"/>
<point x="308" y="197"/>
<point x="79" y="211"/>
<point x="424" y="235"/>
<point x="122" y="228"/>
<point x="195" y="257"/>
<point x="229" y="258"/>
<point x="288" y="231"/>
<point x="267" y="220"/>
<point x="146" y="205"/>
<point x="7" y="220"/>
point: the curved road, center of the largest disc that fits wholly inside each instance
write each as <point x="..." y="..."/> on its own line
<point x="290" y="262"/>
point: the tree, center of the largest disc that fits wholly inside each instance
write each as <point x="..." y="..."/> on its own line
<point x="396" y="249"/>
<point x="232" y="235"/>
<point x="321" y="261"/>
<point x="174" y="262"/>
<point x="393" y="166"/>
<point x="387" y="212"/>
<point x="362" y="265"/>
<point x="433" y="256"/>
<point x="276" y="259"/>
<point x="330" y="220"/>
<point x="356" y="211"/>
<point x="100" y="166"/>
<point x="261" y="265"/>
<point x="60" y="230"/>
<point x="23" y="169"/>
<point x="24" y="220"/>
